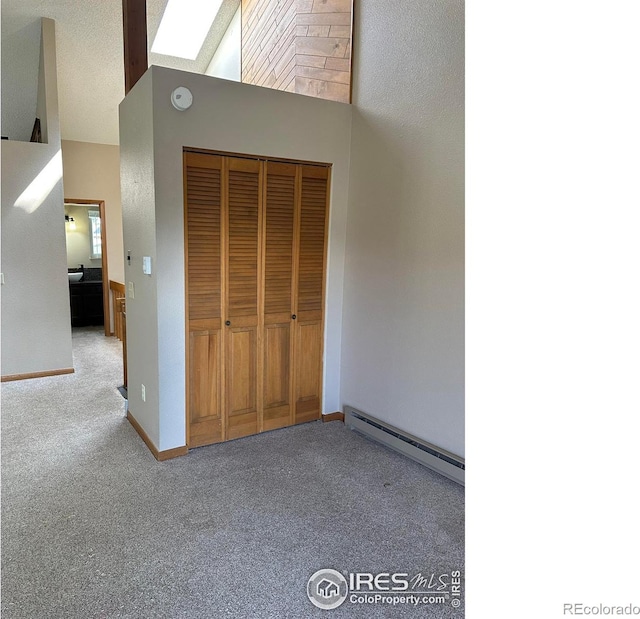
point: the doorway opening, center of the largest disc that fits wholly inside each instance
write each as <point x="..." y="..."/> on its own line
<point x="86" y="236"/>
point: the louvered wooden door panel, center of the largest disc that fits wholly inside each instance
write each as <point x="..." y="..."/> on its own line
<point x="310" y="293"/>
<point x="255" y="253"/>
<point x="243" y="381"/>
<point x="203" y="202"/>
<point x="279" y="227"/>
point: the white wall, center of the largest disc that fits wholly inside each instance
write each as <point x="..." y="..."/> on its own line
<point x="20" y="58"/>
<point x="230" y="117"/>
<point x="139" y="227"/>
<point x="225" y="63"/>
<point x="403" y="337"/>
<point x="36" y="323"/>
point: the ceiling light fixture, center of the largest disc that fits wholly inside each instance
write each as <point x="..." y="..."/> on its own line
<point x="184" y="27"/>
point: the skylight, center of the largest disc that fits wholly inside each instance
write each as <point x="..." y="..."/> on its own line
<point x="184" y="27"/>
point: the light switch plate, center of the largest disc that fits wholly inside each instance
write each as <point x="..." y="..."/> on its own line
<point x="132" y="292"/>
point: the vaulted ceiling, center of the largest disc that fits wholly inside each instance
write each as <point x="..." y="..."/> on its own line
<point x="90" y="56"/>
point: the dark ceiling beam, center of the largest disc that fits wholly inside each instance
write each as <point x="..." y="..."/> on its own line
<point x="134" y="20"/>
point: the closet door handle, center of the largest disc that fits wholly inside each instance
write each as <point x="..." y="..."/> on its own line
<point x="228" y="323"/>
<point x="293" y="316"/>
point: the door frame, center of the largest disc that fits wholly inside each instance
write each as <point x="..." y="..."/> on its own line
<point x="105" y="270"/>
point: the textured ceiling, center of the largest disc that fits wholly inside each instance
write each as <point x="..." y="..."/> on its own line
<point x="90" y="57"/>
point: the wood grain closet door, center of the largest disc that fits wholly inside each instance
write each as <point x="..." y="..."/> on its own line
<point x="279" y="225"/>
<point x="243" y="381"/>
<point x="309" y="305"/>
<point x="203" y="280"/>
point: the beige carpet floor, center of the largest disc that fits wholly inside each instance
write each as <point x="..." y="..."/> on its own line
<point x="94" y="527"/>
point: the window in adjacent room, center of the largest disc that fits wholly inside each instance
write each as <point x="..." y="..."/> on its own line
<point x="95" y="236"/>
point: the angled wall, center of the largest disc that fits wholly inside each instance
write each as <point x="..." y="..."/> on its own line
<point x="36" y="323"/>
<point x="21" y="38"/>
<point x="225" y="63"/>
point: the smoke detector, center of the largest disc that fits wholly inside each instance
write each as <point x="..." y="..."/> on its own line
<point x="181" y="98"/>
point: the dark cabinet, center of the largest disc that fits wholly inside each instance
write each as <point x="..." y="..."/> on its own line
<point x="86" y="304"/>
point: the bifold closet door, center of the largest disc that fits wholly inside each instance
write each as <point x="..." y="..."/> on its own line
<point x="280" y="223"/>
<point x="255" y="253"/>
<point x="243" y="393"/>
<point x="309" y="301"/>
<point x="203" y="216"/>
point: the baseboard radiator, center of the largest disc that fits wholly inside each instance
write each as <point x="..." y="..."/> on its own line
<point x="432" y="457"/>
